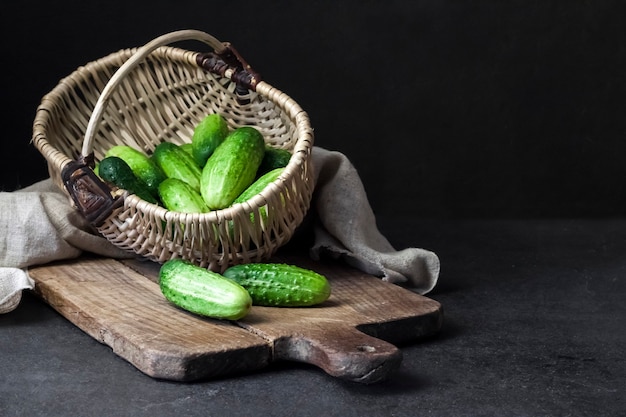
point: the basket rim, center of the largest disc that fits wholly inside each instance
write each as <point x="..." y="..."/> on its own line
<point x="300" y="153"/>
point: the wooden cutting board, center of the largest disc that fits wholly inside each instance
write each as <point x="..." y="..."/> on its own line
<point x="352" y="336"/>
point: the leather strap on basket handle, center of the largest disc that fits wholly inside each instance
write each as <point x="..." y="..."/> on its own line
<point x="91" y="196"/>
<point x="228" y="63"/>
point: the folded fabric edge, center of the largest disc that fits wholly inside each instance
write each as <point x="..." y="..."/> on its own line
<point x="13" y="281"/>
<point x="417" y="269"/>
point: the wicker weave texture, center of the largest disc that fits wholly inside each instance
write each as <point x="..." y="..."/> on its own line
<point x="162" y="99"/>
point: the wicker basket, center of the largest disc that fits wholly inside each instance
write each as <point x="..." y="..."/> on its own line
<point x="144" y="96"/>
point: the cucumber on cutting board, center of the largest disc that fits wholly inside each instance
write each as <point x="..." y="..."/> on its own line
<point x="280" y="285"/>
<point x="203" y="292"/>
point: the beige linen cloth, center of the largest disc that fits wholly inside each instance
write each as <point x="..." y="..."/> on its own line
<point x="38" y="225"/>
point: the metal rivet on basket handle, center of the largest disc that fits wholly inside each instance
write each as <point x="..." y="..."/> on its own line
<point x="90" y="194"/>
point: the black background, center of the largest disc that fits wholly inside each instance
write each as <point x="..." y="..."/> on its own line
<point x="446" y="108"/>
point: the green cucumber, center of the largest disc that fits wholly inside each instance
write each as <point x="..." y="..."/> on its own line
<point x="187" y="147"/>
<point x="272" y="159"/>
<point x="116" y="171"/>
<point x="177" y="195"/>
<point x="144" y="168"/>
<point x="256" y="187"/>
<point x="177" y="163"/>
<point x="207" y="136"/>
<point x="259" y="185"/>
<point x="280" y="285"/>
<point x="232" y="167"/>
<point x="203" y="292"/>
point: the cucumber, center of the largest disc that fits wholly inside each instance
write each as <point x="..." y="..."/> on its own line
<point x="203" y="292"/>
<point x="272" y="159"/>
<point x="254" y="189"/>
<point x="280" y="285"/>
<point x="143" y="167"/>
<point x="207" y="136"/>
<point x="116" y="171"/>
<point x="259" y="185"/>
<point x="187" y="147"/>
<point x="177" y="195"/>
<point x="177" y="163"/>
<point x="232" y="167"/>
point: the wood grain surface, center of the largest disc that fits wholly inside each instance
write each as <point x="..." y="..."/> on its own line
<point x="352" y="336"/>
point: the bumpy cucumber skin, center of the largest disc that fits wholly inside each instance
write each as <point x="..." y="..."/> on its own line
<point x="177" y="163"/>
<point x="207" y="136"/>
<point x="144" y="168"/>
<point x="272" y="159"/>
<point x="116" y="171"/>
<point x="177" y="195"/>
<point x="280" y="285"/>
<point x="259" y="185"/>
<point x="203" y="292"/>
<point x="232" y="167"/>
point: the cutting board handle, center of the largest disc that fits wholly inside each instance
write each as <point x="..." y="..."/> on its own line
<point x="342" y="352"/>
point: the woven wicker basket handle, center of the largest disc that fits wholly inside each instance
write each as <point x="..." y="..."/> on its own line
<point x="222" y="63"/>
<point x="91" y="196"/>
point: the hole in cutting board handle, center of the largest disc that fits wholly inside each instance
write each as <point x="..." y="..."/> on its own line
<point x="366" y="348"/>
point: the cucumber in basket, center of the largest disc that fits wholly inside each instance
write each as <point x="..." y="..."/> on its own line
<point x="177" y="195"/>
<point x="272" y="159"/>
<point x="232" y="167"/>
<point x="116" y="171"/>
<point x="259" y="185"/>
<point x="256" y="187"/>
<point x="143" y="167"/>
<point x="177" y="163"/>
<point x="207" y="136"/>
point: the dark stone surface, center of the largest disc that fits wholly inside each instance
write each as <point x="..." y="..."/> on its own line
<point x="534" y="326"/>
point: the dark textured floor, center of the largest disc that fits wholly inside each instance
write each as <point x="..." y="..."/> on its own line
<point x="534" y="326"/>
